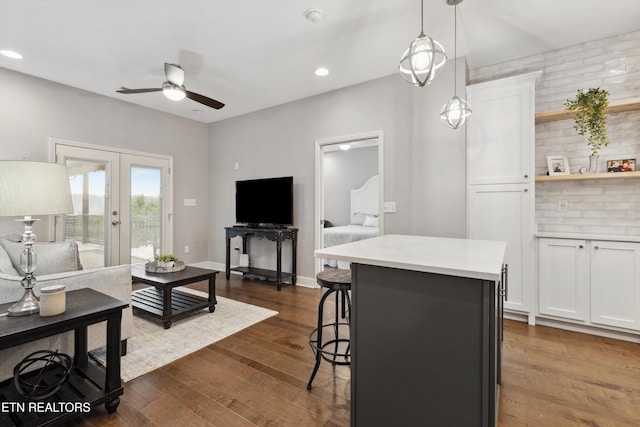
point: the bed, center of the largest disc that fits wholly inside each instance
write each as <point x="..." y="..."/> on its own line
<point x="364" y="218"/>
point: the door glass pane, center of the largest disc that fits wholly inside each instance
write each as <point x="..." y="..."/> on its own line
<point x="87" y="223"/>
<point x="146" y="194"/>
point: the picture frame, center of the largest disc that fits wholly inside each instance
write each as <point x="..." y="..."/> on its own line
<point x="558" y="165"/>
<point x="621" y="163"/>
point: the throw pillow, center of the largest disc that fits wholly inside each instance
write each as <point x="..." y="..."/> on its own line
<point x="358" y="218"/>
<point x="6" y="266"/>
<point x="54" y="257"/>
<point x="370" y="221"/>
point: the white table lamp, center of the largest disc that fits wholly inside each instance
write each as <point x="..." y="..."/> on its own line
<point x="26" y="189"/>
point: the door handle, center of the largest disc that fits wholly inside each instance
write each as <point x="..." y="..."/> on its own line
<point x="115" y="222"/>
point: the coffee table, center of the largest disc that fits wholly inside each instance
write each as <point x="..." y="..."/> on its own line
<point x="163" y="301"/>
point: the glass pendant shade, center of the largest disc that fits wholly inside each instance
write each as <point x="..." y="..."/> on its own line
<point x="455" y="112"/>
<point x="423" y="61"/>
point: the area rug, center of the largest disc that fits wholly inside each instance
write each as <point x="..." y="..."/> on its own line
<point x="152" y="346"/>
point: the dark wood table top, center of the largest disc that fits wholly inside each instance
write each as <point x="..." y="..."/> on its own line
<point x="188" y="275"/>
<point x="83" y="306"/>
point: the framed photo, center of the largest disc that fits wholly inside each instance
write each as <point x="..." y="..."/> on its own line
<point x="558" y="165"/>
<point x="625" y="163"/>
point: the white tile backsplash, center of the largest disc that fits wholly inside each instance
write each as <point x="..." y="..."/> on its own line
<point x="595" y="206"/>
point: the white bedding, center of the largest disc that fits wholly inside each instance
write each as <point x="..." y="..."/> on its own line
<point x="347" y="233"/>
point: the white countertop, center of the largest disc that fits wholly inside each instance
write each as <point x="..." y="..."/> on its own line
<point x="477" y="259"/>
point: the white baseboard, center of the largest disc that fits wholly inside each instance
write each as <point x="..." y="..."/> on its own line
<point x="305" y="282"/>
<point x="585" y="329"/>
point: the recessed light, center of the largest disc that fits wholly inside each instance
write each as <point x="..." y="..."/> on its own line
<point x="321" y="72"/>
<point x="344" y="147"/>
<point x="10" y="54"/>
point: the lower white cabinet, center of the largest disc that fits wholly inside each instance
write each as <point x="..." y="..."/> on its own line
<point x="592" y="281"/>
<point x="503" y="212"/>
<point x="564" y="278"/>
<point x="615" y="284"/>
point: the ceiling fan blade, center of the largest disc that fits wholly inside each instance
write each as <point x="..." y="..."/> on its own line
<point x="204" y="100"/>
<point x="174" y="73"/>
<point x="128" y="91"/>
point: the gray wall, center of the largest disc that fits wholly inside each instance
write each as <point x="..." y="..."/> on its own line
<point x="344" y="171"/>
<point x="32" y="110"/>
<point x="424" y="164"/>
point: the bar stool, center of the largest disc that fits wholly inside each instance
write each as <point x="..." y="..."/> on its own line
<point x="333" y="350"/>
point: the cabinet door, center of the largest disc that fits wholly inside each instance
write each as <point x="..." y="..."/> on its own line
<point x="564" y="278"/>
<point x="502" y="212"/>
<point x="500" y="133"/>
<point x="615" y="284"/>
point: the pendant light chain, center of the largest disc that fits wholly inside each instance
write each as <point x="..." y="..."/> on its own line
<point x="454" y="114"/>
<point x="455" y="49"/>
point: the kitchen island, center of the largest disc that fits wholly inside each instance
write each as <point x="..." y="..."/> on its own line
<point x="426" y="329"/>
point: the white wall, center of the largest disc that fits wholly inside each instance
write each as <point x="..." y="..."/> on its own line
<point x="344" y="171"/>
<point x="608" y="206"/>
<point x="423" y="164"/>
<point x="32" y="110"/>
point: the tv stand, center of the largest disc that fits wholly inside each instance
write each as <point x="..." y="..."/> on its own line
<point x="273" y="233"/>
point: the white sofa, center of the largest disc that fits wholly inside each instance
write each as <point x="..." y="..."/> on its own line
<point x="114" y="281"/>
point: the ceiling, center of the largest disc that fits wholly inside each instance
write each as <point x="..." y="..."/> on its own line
<point x="253" y="54"/>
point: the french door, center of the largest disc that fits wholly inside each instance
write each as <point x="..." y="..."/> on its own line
<point x="121" y="202"/>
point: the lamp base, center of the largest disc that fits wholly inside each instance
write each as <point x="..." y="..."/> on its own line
<point x="28" y="304"/>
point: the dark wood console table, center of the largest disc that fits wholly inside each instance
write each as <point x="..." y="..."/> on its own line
<point x="274" y="234"/>
<point x="88" y="381"/>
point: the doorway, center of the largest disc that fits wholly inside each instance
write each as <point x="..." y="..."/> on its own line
<point x="349" y="176"/>
<point x="121" y="201"/>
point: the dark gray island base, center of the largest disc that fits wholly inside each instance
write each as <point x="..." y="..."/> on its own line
<point x="426" y="329"/>
<point x="425" y="348"/>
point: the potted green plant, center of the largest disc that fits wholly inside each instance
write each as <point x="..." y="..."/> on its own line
<point x="166" y="260"/>
<point x="590" y="120"/>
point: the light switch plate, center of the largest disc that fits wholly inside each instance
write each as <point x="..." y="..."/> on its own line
<point x="189" y="202"/>
<point x="389" y="207"/>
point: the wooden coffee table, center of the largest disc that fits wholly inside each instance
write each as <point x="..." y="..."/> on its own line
<point x="163" y="301"/>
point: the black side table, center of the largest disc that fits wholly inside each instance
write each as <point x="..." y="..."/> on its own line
<point x="275" y="234"/>
<point x="88" y="381"/>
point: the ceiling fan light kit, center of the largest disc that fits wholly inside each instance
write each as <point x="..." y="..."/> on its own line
<point x="424" y="59"/>
<point x="174" y="89"/>
<point x="173" y="92"/>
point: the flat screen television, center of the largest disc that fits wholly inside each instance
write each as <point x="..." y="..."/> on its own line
<point x="266" y="202"/>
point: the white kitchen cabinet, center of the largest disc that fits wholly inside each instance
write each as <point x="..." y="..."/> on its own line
<point x="503" y="212"/>
<point x="563" y="273"/>
<point x="500" y="133"/>
<point x="615" y="284"/>
<point x="500" y="181"/>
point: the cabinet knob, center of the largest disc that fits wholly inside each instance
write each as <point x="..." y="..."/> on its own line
<point x="526" y="176"/>
<point x="581" y="246"/>
<point x="596" y="247"/>
<point x="526" y="190"/>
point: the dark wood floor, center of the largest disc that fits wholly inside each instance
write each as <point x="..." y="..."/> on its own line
<point x="259" y="375"/>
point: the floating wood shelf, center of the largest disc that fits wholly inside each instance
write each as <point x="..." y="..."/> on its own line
<point x="618" y="106"/>
<point x="588" y="176"/>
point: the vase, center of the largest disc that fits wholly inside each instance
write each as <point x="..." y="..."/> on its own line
<point x="593" y="165"/>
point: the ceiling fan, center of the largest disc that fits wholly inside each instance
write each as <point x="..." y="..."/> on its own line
<point x="174" y="89"/>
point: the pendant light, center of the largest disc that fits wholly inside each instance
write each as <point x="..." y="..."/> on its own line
<point x="455" y="112"/>
<point x="424" y="59"/>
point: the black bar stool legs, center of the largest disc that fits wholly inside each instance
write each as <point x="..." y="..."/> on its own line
<point x="333" y="349"/>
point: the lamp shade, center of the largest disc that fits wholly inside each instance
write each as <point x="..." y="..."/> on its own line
<point x="34" y="188"/>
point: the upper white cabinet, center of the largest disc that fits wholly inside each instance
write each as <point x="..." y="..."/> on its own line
<point x="501" y="131"/>
<point x="500" y="182"/>
<point x="615" y="284"/>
